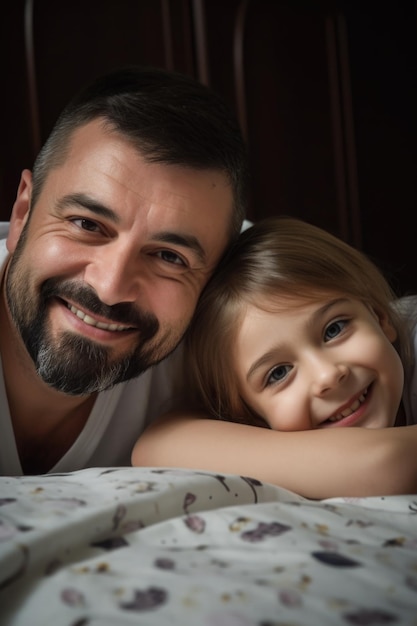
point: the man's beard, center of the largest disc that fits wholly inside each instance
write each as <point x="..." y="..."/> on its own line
<point x="72" y="363"/>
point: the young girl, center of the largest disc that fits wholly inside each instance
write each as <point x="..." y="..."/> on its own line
<point x="298" y="332"/>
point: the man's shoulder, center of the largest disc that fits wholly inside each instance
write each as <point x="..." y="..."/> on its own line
<point x="4" y="229"/>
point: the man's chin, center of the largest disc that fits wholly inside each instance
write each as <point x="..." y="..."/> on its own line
<point x="78" y="367"/>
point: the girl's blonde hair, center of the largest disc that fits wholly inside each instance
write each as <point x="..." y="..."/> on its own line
<point x="284" y="257"/>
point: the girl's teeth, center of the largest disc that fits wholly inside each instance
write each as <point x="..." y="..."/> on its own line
<point x="348" y="411"/>
<point x="352" y="408"/>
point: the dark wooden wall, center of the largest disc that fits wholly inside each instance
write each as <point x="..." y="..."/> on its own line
<point x="325" y="91"/>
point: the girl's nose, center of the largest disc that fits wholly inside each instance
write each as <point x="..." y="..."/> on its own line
<point x="328" y="375"/>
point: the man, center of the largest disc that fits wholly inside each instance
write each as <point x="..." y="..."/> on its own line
<point x="133" y="200"/>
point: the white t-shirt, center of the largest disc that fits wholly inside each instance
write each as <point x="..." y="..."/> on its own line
<point x="118" y="417"/>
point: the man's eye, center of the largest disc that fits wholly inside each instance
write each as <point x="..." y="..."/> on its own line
<point x="86" y="224"/>
<point x="170" y="257"/>
<point x="278" y="374"/>
<point x="334" y="329"/>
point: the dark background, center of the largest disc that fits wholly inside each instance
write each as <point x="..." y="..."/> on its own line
<point x="325" y="91"/>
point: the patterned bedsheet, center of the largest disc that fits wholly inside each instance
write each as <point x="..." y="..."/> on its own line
<point x="108" y="547"/>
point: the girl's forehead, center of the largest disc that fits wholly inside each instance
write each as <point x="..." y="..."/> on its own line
<point x="283" y="300"/>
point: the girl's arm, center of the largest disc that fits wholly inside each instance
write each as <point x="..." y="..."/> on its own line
<point x="316" y="463"/>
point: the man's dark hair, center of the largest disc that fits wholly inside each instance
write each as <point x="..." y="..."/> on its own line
<point x="168" y="117"/>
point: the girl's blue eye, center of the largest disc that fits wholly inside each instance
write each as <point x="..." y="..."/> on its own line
<point x="334" y="329"/>
<point x="278" y="374"/>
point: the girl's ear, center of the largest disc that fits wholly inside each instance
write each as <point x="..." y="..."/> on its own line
<point x="20" y="210"/>
<point x="387" y="326"/>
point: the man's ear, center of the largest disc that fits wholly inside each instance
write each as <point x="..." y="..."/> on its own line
<point x="20" y="210"/>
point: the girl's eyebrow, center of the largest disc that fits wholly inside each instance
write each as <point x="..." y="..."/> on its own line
<point x="321" y="311"/>
<point x="263" y="360"/>
<point x="271" y="354"/>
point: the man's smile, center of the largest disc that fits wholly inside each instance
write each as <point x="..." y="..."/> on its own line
<point x="88" y="319"/>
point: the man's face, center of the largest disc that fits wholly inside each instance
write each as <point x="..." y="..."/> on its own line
<point x="113" y="259"/>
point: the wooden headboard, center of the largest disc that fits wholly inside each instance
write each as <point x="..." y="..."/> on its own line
<point x="326" y="95"/>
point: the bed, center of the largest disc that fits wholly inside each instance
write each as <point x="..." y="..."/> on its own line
<point x="155" y="546"/>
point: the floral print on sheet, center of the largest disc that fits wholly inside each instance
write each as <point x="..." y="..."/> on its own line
<point x="108" y="547"/>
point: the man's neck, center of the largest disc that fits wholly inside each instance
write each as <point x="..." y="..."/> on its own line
<point x="46" y="422"/>
<point x="43" y="435"/>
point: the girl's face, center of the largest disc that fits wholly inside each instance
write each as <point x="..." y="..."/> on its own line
<point x="330" y="363"/>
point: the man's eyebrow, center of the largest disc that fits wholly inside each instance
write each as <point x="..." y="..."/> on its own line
<point x="80" y="199"/>
<point x="185" y="241"/>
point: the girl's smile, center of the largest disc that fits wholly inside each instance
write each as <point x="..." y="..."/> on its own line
<point x="351" y="412"/>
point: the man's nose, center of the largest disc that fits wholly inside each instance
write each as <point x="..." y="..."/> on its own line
<point x="114" y="273"/>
